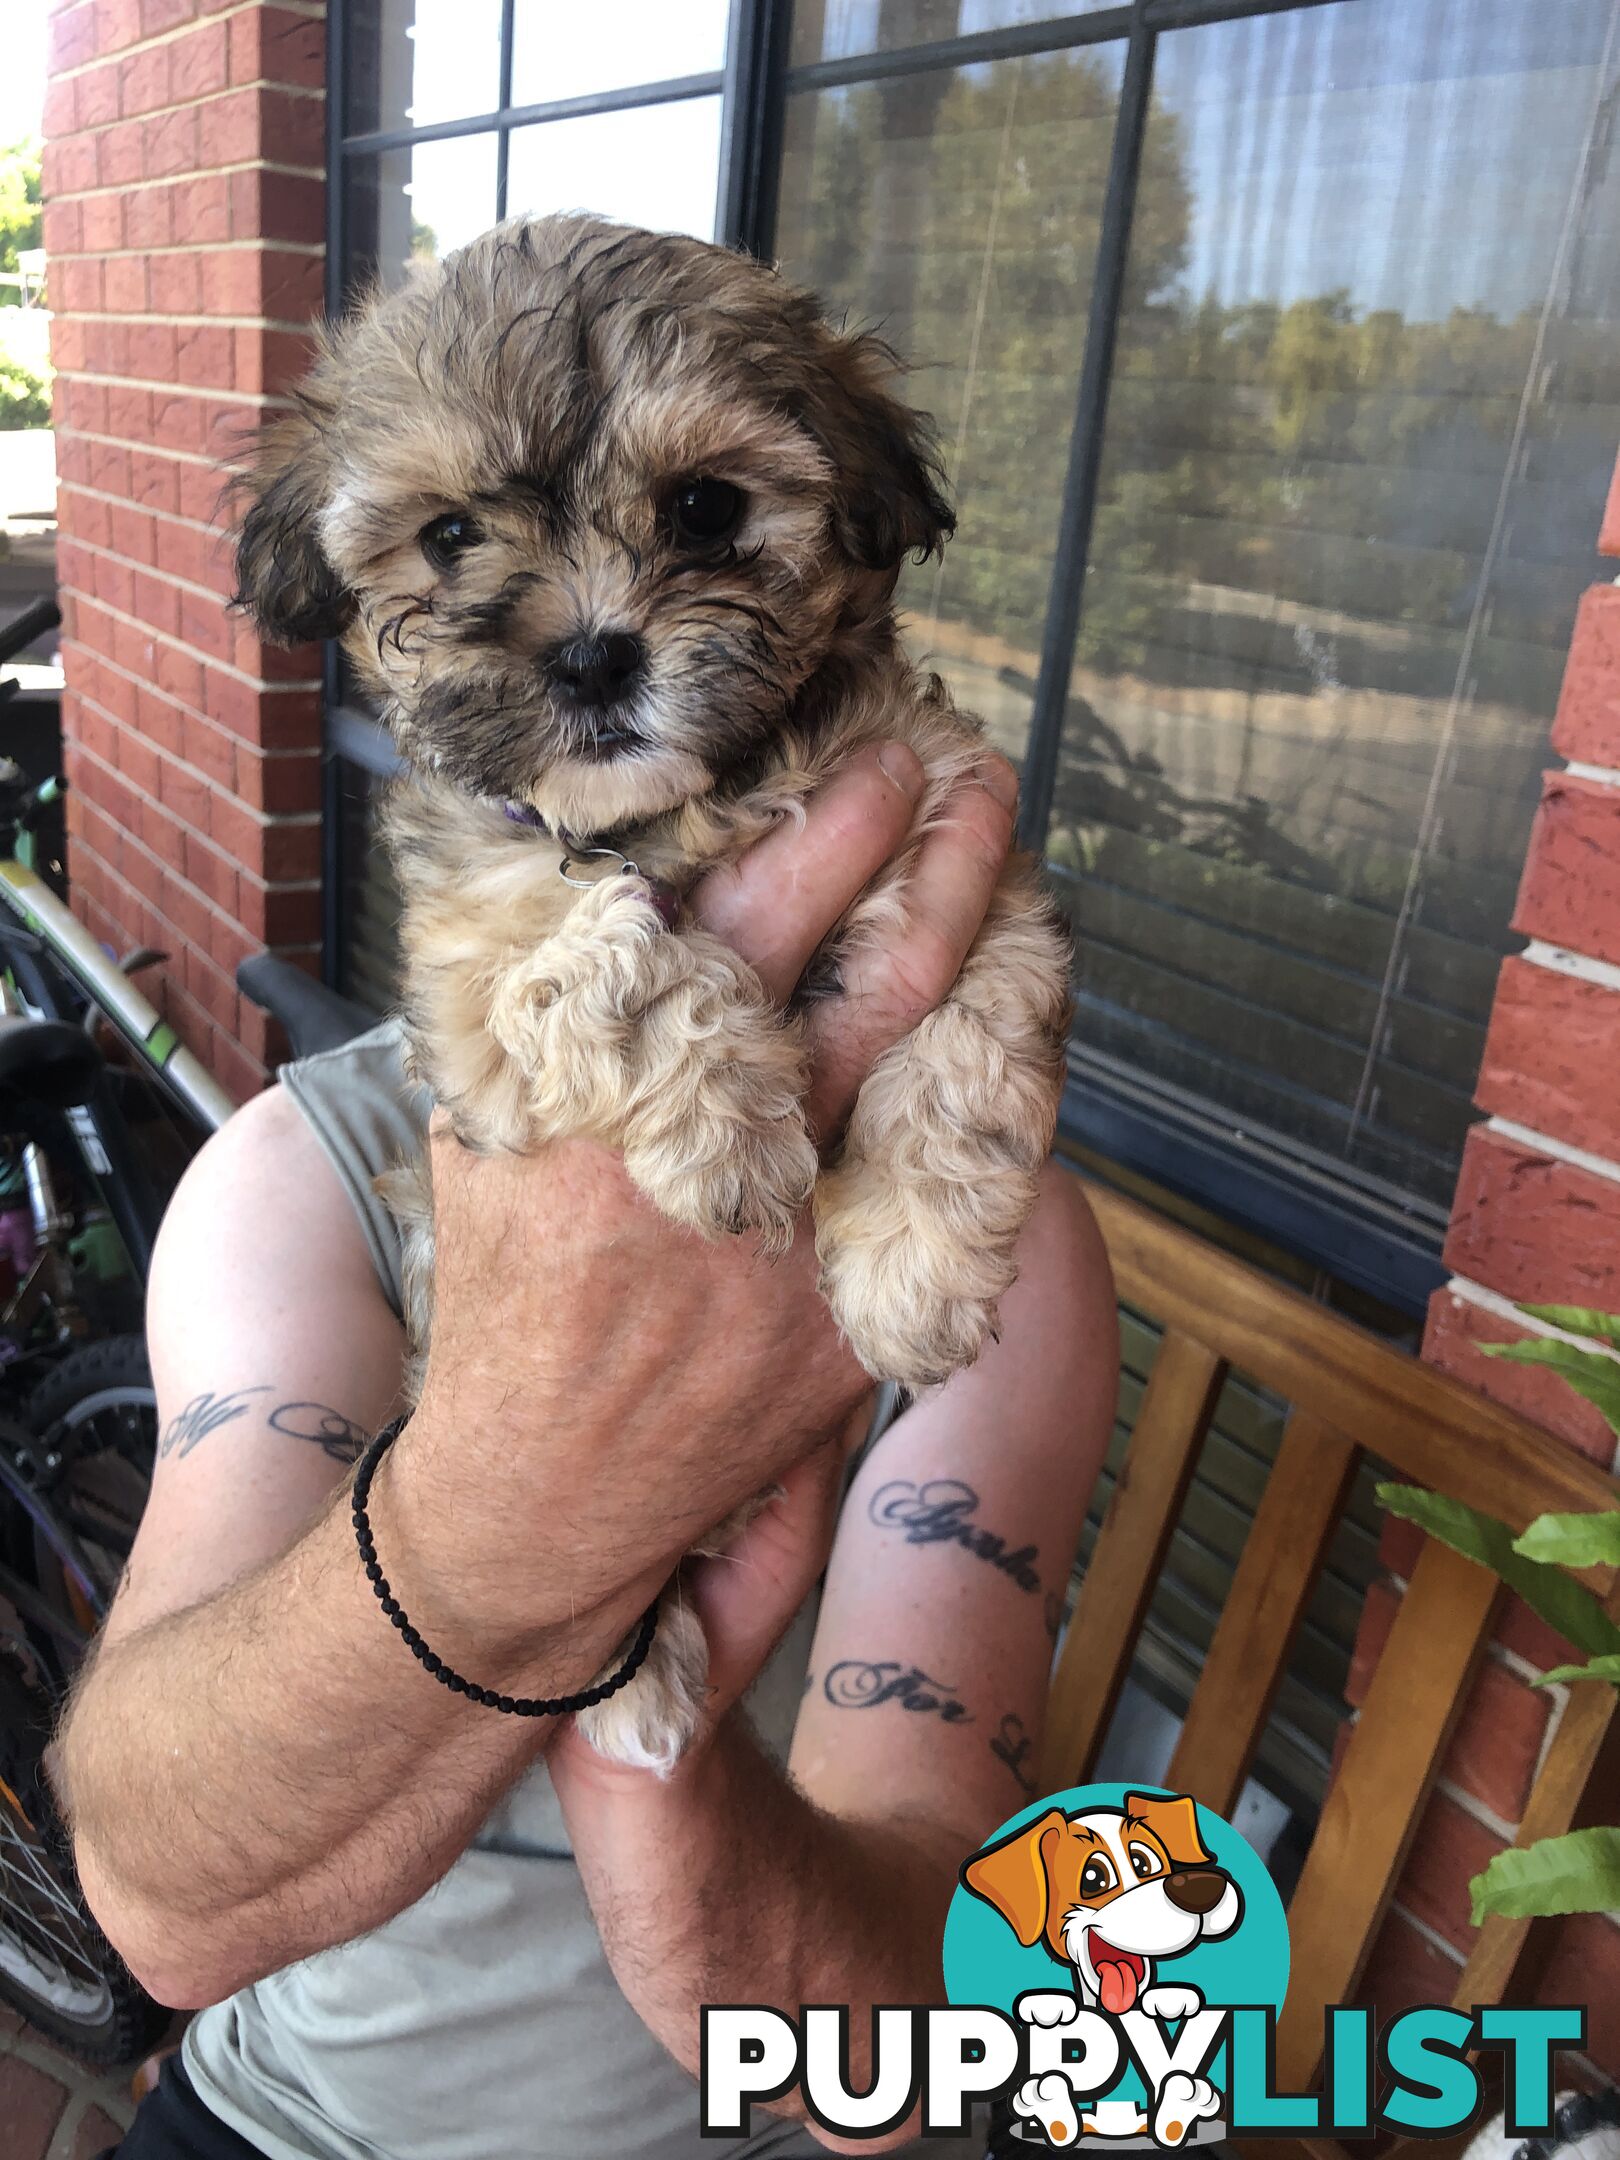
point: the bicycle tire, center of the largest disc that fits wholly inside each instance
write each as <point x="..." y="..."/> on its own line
<point x="56" y="1965"/>
<point x="100" y="1393"/>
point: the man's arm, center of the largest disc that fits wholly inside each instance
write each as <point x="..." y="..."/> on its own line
<point x="602" y="1389"/>
<point x="921" y="1726"/>
<point x="297" y="1773"/>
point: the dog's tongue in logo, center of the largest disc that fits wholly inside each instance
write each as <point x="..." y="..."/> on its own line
<point x="1119" y="1975"/>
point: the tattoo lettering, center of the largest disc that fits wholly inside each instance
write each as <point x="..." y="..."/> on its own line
<point x="941" y="1513"/>
<point x="201" y="1416"/>
<point x="332" y="1432"/>
<point x="329" y="1430"/>
<point x="1014" y="1746"/>
<point x="857" y="1684"/>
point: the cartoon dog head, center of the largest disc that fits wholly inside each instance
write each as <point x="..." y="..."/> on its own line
<point x="1109" y="1891"/>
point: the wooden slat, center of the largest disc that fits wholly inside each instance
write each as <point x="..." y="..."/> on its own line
<point x="1270" y="1590"/>
<point x="1372" y="1811"/>
<point x="1574" y="1788"/>
<point x="1118" y="1585"/>
<point x="1427" y="1426"/>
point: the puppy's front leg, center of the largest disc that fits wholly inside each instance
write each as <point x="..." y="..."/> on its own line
<point x="664" y="1045"/>
<point x="917" y="1222"/>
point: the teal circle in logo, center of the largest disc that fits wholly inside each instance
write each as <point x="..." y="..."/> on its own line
<point x="987" y="1963"/>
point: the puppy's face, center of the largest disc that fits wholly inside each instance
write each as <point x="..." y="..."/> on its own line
<point x="589" y="506"/>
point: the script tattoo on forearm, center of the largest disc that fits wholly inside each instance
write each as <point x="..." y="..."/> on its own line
<point x="313" y="1422"/>
<point x="1014" y="1746"/>
<point x="329" y="1430"/>
<point x="865" y="1684"/>
<point x="942" y="1513"/>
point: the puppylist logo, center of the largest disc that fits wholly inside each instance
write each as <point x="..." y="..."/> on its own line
<point x="1115" y="1961"/>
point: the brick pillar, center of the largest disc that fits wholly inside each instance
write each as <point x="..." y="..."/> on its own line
<point x="1536" y="1218"/>
<point x="184" y="191"/>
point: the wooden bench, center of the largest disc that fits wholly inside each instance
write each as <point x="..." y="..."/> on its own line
<point x="1351" y="1395"/>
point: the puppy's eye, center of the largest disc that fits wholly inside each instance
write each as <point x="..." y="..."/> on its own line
<point x="447" y="537"/>
<point x="705" y="512"/>
<point x="1145" y="1861"/>
<point x="1096" y="1877"/>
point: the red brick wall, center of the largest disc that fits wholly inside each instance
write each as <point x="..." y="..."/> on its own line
<point x="184" y="188"/>
<point x="1536" y="1218"/>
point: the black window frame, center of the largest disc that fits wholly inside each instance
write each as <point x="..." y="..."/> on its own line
<point x="1375" y="1239"/>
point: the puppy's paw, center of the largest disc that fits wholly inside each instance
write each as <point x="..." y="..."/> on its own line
<point x="662" y="1044"/>
<point x="1049" y="2100"/>
<point x="1171" y="2002"/>
<point x="917" y="1224"/>
<point x="1044" y="2006"/>
<point x="905" y="1269"/>
<point x="1181" y="2103"/>
<point x="740" y="1162"/>
<point x="650" y="1724"/>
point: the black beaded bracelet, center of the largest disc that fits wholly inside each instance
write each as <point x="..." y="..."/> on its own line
<point x="446" y="1675"/>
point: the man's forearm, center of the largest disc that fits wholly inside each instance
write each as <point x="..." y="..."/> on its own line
<point x="760" y="1896"/>
<point x="270" y="1772"/>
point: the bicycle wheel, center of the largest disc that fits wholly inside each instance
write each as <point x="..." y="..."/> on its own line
<point x="56" y="1966"/>
<point x="96" y="1412"/>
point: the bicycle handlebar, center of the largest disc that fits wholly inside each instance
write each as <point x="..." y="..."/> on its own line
<point x="22" y="630"/>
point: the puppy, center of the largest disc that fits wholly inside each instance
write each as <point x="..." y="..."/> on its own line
<point x="611" y="522"/>
<point x="1111" y="1893"/>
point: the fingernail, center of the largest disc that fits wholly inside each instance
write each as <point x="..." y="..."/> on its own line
<point x="998" y="778"/>
<point x="901" y="764"/>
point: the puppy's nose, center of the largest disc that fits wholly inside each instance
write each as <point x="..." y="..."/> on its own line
<point x="1196" y="1890"/>
<point x="596" y="670"/>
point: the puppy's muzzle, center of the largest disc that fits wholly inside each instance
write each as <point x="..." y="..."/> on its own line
<point x="596" y="672"/>
<point x="1196" y="1890"/>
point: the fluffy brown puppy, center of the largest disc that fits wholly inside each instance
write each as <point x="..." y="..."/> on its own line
<point x="611" y="522"/>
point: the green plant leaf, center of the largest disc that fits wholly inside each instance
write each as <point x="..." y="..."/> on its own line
<point x="1566" y="1606"/>
<point x="1576" y="1873"/>
<point x="1588" y="1372"/>
<point x="1578" y="1320"/>
<point x="1572" y="1540"/>
<point x="1601" y="1668"/>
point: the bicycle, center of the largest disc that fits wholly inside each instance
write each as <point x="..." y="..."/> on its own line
<point x="101" y="1108"/>
<point x="100" y="1111"/>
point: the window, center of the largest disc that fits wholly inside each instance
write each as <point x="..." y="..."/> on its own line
<point x="456" y="113"/>
<point x="1277" y="415"/>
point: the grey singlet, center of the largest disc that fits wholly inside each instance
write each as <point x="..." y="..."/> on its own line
<point x="483" y="2022"/>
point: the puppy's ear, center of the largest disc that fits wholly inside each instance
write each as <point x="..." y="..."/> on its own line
<point x="891" y="492"/>
<point x="1012" y="1876"/>
<point x="283" y="578"/>
<point x="1174" y="1823"/>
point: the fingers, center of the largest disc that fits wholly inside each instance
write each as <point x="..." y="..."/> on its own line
<point x="891" y="985"/>
<point x="775" y="904"/>
<point x="747" y="1596"/>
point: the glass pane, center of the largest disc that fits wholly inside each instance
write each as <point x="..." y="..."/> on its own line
<point x="413" y="62"/>
<point x="370" y="971"/>
<point x="1364" y="407"/>
<point x="657" y="165"/>
<point x="418" y="202"/>
<point x="561" y="52"/>
<point x="959" y="211"/>
<point x="835" y="29"/>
